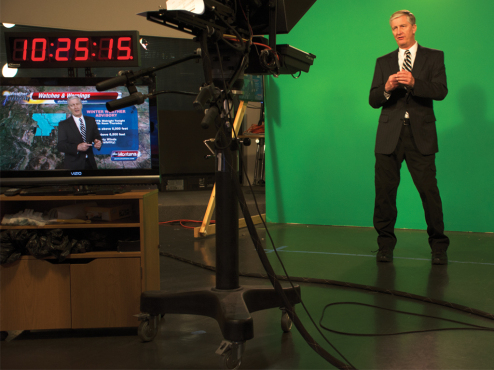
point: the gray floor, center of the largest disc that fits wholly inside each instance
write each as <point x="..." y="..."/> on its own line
<point x="321" y="252"/>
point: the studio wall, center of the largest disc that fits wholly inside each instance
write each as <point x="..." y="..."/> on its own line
<point x="320" y="128"/>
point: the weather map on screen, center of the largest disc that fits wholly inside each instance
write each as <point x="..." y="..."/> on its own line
<point x="29" y="118"/>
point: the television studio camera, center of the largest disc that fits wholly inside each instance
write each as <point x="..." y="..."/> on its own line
<point x="225" y="31"/>
<point x="228" y="47"/>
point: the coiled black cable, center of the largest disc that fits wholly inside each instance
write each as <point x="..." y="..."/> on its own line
<point x="470" y="326"/>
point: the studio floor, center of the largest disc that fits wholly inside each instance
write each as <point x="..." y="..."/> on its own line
<point x="342" y="254"/>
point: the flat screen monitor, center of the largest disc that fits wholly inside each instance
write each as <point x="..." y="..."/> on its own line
<point x="31" y="110"/>
<point x="253" y="89"/>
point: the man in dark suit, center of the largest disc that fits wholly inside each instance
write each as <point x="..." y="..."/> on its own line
<point x="76" y="137"/>
<point x="407" y="131"/>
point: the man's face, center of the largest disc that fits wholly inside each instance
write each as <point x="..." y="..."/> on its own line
<point x="403" y="32"/>
<point x="75" y="107"/>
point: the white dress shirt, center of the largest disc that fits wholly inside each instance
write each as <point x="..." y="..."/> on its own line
<point x="401" y="55"/>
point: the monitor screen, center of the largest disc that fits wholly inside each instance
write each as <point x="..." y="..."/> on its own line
<point x="40" y="138"/>
<point x="253" y="89"/>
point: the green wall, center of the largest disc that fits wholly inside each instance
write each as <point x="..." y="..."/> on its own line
<point x="320" y="128"/>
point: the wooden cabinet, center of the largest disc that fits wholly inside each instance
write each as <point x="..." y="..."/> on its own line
<point x="88" y="290"/>
<point x="35" y="295"/>
<point x="105" y="292"/>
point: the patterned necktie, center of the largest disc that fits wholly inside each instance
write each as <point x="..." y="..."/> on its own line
<point x="83" y="130"/>
<point x="407" y="63"/>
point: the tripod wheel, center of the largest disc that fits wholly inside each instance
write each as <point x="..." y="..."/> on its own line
<point x="286" y="322"/>
<point x="148" y="329"/>
<point x="233" y="357"/>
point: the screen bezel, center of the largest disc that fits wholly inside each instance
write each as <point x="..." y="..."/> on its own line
<point x="86" y="177"/>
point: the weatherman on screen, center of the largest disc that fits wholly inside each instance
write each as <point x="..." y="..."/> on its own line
<point x="77" y="135"/>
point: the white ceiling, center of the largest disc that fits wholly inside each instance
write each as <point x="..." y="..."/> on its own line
<point x="87" y="15"/>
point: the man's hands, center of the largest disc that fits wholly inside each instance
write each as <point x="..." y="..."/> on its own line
<point x="402" y="78"/>
<point x="405" y="78"/>
<point x="392" y="83"/>
<point x="82" y="147"/>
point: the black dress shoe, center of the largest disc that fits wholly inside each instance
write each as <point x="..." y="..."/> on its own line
<point x="439" y="258"/>
<point x="384" y="255"/>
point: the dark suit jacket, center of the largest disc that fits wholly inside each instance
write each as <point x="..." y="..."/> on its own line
<point x="69" y="137"/>
<point x="430" y="84"/>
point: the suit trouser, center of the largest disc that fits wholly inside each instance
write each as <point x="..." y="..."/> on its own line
<point x="387" y="178"/>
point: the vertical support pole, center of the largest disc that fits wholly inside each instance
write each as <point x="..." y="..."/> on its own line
<point x="227" y="256"/>
<point x="201" y="231"/>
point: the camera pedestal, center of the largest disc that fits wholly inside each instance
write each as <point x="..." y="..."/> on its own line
<point x="228" y="303"/>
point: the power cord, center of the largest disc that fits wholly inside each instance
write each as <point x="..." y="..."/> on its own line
<point x="183" y="222"/>
<point x="277" y="286"/>
<point x="369" y="288"/>
<point x="472" y="326"/>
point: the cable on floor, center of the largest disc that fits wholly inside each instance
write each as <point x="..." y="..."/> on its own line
<point x="277" y="286"/>
<point x="471" y="326"/>
<point x="370" y="289"/>
<point x="290" y="279"/>
<point x="183" y="222"/>
<point x="343" y="284"/>
<point x="270" y="272"/>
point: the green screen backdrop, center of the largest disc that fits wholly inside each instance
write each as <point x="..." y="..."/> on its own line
<point x="320" y="128"/>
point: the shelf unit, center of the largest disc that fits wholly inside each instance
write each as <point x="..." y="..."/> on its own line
<point x="96" y="289"/>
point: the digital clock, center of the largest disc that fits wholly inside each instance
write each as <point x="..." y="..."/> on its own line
<point x="72" y="49"/>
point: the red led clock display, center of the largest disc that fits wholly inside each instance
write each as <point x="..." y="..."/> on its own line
<point x="72" y="49"/>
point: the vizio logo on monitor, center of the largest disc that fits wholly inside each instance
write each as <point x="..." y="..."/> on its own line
<point x="125" y="155"/>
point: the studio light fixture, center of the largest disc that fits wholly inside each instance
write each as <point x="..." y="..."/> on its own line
<point x="8" y="72"/>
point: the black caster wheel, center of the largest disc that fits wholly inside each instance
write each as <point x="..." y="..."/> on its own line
<point x="233" y="358"/>
<point x="231" y="354"/>
<point x="286" y="322"/>
<point x="148" y="328"/>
